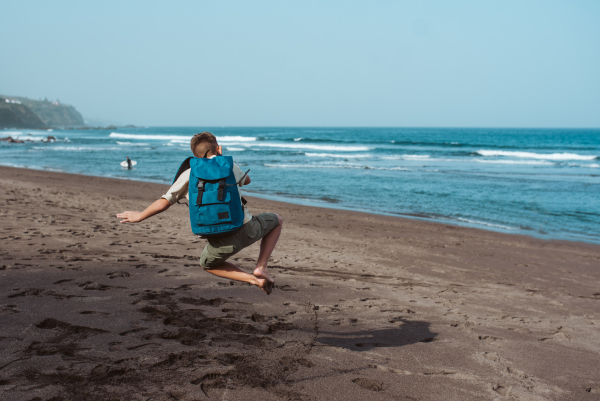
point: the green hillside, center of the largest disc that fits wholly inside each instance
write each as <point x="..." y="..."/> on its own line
<point x="18" y="115"/>
<point x="50" y="113"/>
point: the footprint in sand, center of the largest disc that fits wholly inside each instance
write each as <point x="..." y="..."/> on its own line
<point x="133" y="331"/>
<point x="27" y="293"/>
<point x="93" y="312"/>
<point x="557" y="335"/>
<point x="92" y="286"/>
<point x="118" y="274"/>
<point x="63" y="281"/>
<point x="489" y="339"/>
<point x="368" y="384"/>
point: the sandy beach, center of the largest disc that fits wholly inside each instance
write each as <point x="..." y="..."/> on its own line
<point x="366" y="307"/>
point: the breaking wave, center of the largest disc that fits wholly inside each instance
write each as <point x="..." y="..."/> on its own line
<point x="180" y="138"/>
<point x="336" y="155"/>
<point x="531" y="155"/>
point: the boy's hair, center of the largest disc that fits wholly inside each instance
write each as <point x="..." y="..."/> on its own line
<point x="202" y="143"/>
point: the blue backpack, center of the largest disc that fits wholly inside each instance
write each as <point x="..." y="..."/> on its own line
<point x="214" y="200"/>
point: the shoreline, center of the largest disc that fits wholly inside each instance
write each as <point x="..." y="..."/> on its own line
<point x="366" y="307"/>
<point x="311" y="203"/>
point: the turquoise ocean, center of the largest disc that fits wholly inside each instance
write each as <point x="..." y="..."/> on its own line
<point x="538" y="182"/>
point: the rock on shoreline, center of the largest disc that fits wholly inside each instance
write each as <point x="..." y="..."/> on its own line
<point x="10" y="139"/>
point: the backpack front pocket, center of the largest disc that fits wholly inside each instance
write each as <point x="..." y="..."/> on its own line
<point x="210" y="215"/>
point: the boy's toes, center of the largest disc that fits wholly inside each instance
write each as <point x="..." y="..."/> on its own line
<point x="269" y="286"/>
<point x="265" y="285"/>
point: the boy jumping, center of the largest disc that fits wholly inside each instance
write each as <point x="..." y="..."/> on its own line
<point x="265" y="227"/>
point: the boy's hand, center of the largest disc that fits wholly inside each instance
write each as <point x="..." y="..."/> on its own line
<point x="134" y="217"/>
<point x="130" y="217"/>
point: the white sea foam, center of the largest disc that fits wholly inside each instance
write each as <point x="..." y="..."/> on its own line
<point x="408" y="157"/>
<point x="530" y="162"/>
<point x="415" y="157"/>
<point x="74" y="148"/>
<point x="13" y="165"/>
<point x="313" y="166"/>
<point x="179" y="138"/>
<point x="334" y="148"/>
<point x="244" y="141"/>
<point x="55" y="169"/>
<point x="232" y="149"/>
<point x="236" y="138"/>
<point x="143" y="136"/>
<point x="336" y="155"/>
<point x="324" y="131"/>
<point x="486" y="224"/>
<point x="338" y="166"/>
<point x="297" y="139"/>
<point x="25" y="136"/>
<point x="593" y="165"/>
<point x="531" y="155"/>
<point x="428" y="159"/>
<point x="132" y="143"/>
<point x="31" y="138"/>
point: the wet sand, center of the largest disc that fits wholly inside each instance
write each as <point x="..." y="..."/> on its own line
<point x="366" y="307"/>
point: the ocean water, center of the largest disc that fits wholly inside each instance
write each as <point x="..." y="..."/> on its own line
<point x="538" y="182"/>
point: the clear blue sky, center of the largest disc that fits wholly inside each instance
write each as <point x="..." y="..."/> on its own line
<point x="309" y="63"/>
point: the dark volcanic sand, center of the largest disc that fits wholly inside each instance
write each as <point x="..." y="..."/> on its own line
<point x="366" y="307"/>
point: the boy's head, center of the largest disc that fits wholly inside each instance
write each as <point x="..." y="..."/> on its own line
<point x="204" y="142"/>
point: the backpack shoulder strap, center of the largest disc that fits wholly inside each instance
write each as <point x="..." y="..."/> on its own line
<point x="184" y="166"/>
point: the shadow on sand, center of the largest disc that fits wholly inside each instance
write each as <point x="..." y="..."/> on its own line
<point x="410" y="332"/>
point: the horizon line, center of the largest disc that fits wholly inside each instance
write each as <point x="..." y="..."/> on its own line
<point x="344" y="126"/>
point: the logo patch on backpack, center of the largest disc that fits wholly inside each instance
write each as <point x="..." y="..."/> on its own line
<point x="223" y="215"/>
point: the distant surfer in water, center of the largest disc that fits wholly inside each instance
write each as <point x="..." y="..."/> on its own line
<point x="128" y="164"/>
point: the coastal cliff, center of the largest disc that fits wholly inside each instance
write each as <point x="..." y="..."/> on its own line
<point x="21" y="112"/>
<point x="17" y="115"/>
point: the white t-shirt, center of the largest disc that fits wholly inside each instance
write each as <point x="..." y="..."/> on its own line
<point x="179" y="189"/>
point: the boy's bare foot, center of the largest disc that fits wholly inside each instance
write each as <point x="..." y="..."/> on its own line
<point x="265" y="285"/>
<point x="262" y="272"/>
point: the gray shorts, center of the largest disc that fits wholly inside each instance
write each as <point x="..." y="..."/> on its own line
<point x="220" y="249"/>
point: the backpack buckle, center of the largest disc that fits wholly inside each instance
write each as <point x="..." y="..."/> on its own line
<point x="201" y="184"/>
<point x="221" y="195"/>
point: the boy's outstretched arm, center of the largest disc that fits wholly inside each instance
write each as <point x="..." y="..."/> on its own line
<point x="135" y="217"/>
